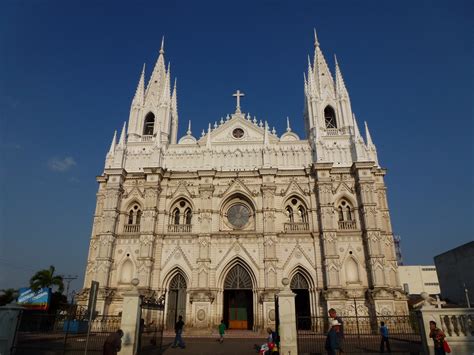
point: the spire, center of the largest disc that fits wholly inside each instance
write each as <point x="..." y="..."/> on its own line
<point x="321" y="73"/>
<point x="288" y="128"/>
<point x="174" y="97"/>
<point x="158" y="75"/>
<point x="113" y="144"/>
<point x="140" y="92"/>
<point x="162" y="48"/>
<point x="341" y="90"/>
<point x="166" y="98"/>
<point x="367" y="135"/>
<point x="357" y="135"/>
<point x="123" y="136"/>
<point x="188" y="132"/>
<point x="208" y="141"/>
<point x="316" y="42"/>
<point x="266" y="141"/>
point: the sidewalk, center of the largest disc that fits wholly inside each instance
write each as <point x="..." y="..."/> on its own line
<point x="210" y="346"/>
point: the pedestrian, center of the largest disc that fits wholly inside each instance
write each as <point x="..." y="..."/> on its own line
<point x="113" y="343"/>
<point x="438" y="338"/>
<point x="384" y="340"/>
<point x="332" y="345"/>
<point x="333" y="315"/>
<point x="178" y="329"/>
<point x="221" y="331"/>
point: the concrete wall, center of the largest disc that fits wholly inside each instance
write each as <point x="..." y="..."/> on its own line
<point x="455" y="268"/>
<point x="419" y="278"/>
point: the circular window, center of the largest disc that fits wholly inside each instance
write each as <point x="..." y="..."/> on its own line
<point x="238" y="133"/>
<point x="238" y="215"/>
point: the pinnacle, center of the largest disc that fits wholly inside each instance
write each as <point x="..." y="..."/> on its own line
<point x="162" y="48"/>
<point x="316" y="42"/>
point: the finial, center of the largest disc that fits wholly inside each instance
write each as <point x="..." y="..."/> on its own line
<point x="143" y="69"/>
<point x="222" y="120"/>
<point x="189" y="128"/>
<point x="203" y="133"/>
<point x="227" y="117"/>
<point x="209" y="128"/>
<point x="288" y="128"/>
<point x="260" y="124"/>
<point x="113" y="144"/>
<point x="215" y="124"/>
<point x="248" y="116"/>
<point x="316" y="42"/>
<point x="335" y="60"/>
<point x="254" y="120"/>
<point x="274" y="130"/>
<point x="162" y="49"/>
<point x="123" y="135"/>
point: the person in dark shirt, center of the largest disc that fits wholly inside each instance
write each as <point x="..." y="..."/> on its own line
<point x="178" y="329"/>
<point x="113" y="343"/>
<point x="438" y="338"/>
<point x="340" y="334"/>
<point x="384" y="340"/>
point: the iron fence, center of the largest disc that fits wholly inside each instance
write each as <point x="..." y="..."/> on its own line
<point x="361" y="334"/>
<point x="62" y="333"/>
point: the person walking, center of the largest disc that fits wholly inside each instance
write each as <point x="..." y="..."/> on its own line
<point x="438" y="338"/>
<point x="340" y="334"/>
<point x="221" y="331"/>
<point x="113" y="343"/>
<point x="332" y="345"/>
<point x="178" y="329"/>
<point x="384" y="340"/>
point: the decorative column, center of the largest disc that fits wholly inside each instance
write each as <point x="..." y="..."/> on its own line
<point x="286" y="310"/>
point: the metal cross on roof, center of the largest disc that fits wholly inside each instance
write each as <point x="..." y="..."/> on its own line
<point x="238" y="94"/>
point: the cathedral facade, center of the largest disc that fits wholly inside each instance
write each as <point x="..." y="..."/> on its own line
<point x="216" y="222"/>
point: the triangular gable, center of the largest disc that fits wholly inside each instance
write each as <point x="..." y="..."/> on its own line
<point x="252" y="132"/>
<point x="134" y="192"/>
<point x="177" y="253"/>
<point x="292" y="255"/>
<point x="237" y="249"/>
<point x="293" y="186"/>
<point x="343" y="187"/>
<point x="237" y="185"/>
<point x="182" y="189"/>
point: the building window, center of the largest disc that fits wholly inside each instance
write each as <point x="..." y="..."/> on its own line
<point x="134" y="215"/>
<point x="182" y="213"/>
<point x="345" y="214"/>
<point x="297" y="215"/>
<point x="149" y="125"/>
<point x="330" y="117"/>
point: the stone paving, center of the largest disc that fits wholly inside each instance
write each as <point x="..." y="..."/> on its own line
<point x="210" y="346"/>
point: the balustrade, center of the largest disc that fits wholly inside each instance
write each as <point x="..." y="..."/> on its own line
<point x="147" y="138"/>
<point x="296" y="227"/>
<point x="347" y="225"/>
<point x="131" y="228"/>
<point x="179" y="228"/>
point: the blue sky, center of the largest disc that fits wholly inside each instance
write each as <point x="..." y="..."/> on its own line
<point x="68" y="71"/>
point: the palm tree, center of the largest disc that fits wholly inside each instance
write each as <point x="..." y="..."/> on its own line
<point x="46" y="278"/>
<point x="8" y="295"/>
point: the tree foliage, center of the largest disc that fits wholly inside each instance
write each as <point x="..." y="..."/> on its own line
<point x="46" y="278"/>
<point x="7" y="296"/>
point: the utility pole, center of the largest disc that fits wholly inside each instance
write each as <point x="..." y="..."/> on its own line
<point x="68" y="279"/>
<point x="466" y="291"/>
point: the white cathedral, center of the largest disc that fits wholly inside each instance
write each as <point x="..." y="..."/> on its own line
<point x="215" y="223"/>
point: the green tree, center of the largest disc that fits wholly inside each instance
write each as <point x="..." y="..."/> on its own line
<point x="8" y="295"/>
<point x="46" y="278"/>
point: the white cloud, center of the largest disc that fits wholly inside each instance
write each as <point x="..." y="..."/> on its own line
<point x="61" y="165"/>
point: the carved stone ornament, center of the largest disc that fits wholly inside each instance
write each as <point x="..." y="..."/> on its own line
<point x="201" y="315"/>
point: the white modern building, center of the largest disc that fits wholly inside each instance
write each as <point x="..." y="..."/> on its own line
<point x="217" y="221"/>
<point x="416" y="279"/>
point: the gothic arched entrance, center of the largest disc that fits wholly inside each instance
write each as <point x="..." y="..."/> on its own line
<point x="176" y="300"/>
<point x="238" y="299"/>
<point x="299" y="285"/>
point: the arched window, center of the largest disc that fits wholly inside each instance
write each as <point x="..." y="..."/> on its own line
<point x="181" y="217"/>
<point x="289" y="213"/>
<point x="188" y="216"/>
<point x="330" y="117"/>
<point x="176" y="215"/>
<point x="297" y="215"/>
<point x="346" y="215"/>
<point x="149" y="124"/>
<point x="134" y="215"/>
